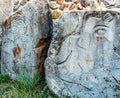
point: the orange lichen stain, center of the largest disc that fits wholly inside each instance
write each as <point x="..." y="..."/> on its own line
<point x="77" y="1"/>
<point x="8" y="21"/>
<point x="87" y="78"/>
<point x="101" y="38"/>
<point x="97" y="38"/>
<point x="56" y="14"/>
<point x="17" y="51"/>
<point x="59" y="2"/>
<point x="42" y="42"/>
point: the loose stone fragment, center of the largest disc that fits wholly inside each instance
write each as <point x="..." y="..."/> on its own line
<point x="94" y="4"/>
<point x="68" y="0"/>
<point x="55" y="14"/>
<point x="77" y="1"/>
<point x="79" y="7"/>
<point x="23" y="2"/>
<point x="85" y="3"/>
<point x="53" y="5"/>
<point x="67" y="5"/>
<point x="72" y="6"/>
<point x="59" y="2"/>
<point x="62" y="7"/>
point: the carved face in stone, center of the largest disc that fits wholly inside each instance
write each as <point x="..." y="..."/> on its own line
<point x="96" y="40"/>
<point x="92" y="48"/>
<point x="79" y="62"/>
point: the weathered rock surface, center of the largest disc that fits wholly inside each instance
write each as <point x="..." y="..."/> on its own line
<point x="84" y="55"/>
<point x="6" y="7"/>
<point x="25" y="40"/>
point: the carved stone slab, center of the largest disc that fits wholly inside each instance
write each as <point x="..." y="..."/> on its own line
<point x="26" y="35"/>
<point x="84" y="55"/>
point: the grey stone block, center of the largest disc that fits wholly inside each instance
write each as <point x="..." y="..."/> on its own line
<point x="25" y="39"/>
<point x="84" y="55"/>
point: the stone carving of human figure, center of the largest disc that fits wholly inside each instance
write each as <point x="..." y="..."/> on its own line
<point x="100" y="32"/>
<point x="84" y="59"/>
<point x="91" y="49"/>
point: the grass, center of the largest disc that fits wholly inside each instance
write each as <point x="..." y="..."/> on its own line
<point x="13" y="89"/>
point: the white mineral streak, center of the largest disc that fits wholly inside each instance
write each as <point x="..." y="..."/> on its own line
<point x="84" y="55"/>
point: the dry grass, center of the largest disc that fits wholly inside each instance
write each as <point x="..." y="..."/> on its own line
<point x="13" y="89"/>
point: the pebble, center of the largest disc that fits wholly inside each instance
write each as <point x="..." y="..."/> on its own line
<point x="62" y="7"/>
<point x="94" y="4"/>
<point x="79" y="7"/>
<point x="85" y="3"/>
<point x="53" y="5"/>
<point x="68" y="0"/>
<point x="77" y="1"/>
<point x="56" y="14"/>
<point x="72" y="6"/>
<point x="59" y="2"/>
<point x="23" y="2"/>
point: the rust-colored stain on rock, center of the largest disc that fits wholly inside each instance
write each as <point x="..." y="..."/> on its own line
<point x="17" y="51"/>
<point x="42" y="42"/>
<point x="87" y="78"/>
<point x="8" y="21"/>
<point x="41" y="67"/>
<point x="40" y="55"/>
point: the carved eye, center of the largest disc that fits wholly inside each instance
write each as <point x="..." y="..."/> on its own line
<point x="100" y="31"/>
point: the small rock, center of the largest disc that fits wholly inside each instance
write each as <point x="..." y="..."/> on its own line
<point x="52" y="0"/>
<point x="59" y="2"/>
<point x="53" y="5"/>
<point x="68" y="0"/>
<point x="62" y="7"/>
<point x="67" y="5"/>
<point x="94" y="4"/>
<point x="77" y="1"/>
<point x="79" y="7"/>
<point x="72" y="6"/>
<point x="55" y="14"/>
<point x="85" y="3"/>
